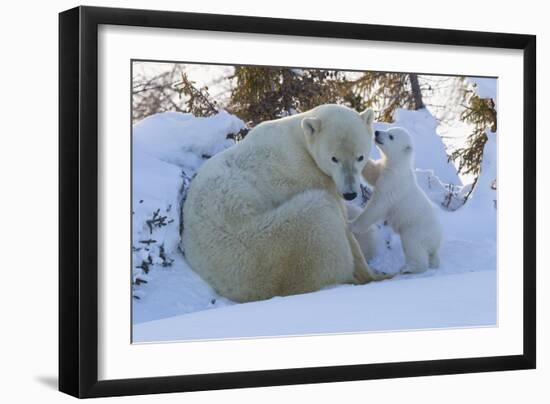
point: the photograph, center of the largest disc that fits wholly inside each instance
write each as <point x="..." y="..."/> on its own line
<point x="277" y="201"/>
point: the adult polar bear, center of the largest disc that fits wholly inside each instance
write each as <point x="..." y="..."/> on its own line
<point x="265" y="218"/>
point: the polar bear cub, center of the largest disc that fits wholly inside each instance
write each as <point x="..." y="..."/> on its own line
<point x="398" y="199"/>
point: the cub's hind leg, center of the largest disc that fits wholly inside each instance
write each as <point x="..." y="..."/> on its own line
<point x="416" y="254"/>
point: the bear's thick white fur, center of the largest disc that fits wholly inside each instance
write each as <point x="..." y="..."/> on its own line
<point x="370" y="241"/>
<point x="265" y="218"/>
<point x="398" y="199"/>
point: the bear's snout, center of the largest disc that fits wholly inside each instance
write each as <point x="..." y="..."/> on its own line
<point x="350" y="196"/>
<point x="377" y="137"/>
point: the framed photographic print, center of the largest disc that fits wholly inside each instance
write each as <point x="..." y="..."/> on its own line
<point x="251" y="201"/>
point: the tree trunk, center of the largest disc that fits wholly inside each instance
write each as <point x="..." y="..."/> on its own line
<point x="416" y="93"/>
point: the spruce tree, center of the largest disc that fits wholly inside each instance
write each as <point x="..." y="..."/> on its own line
<point x="482" y="114"/>
<point x="265" y="93"/>
<point x="386" y="92"/>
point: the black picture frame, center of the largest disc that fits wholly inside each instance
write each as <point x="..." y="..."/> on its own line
<point x="78" y="196"/>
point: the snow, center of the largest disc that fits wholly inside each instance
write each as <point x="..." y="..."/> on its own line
<point x="176" y="304"/>
<point x="173" y="290"/>
<point x="168" y="148"/>
<point x="154" y="186"/>
<point x="183" y="140"/>
<point x="342" y="310"/>
<point x="479" y="212"/>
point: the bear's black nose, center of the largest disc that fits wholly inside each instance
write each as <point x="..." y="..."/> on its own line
<point x="376" y="133"/>
<point x="350" y="196"/>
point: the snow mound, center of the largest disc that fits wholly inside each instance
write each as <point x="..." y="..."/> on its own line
<point x="154" y="187"/>
<point x="443" y="195"/>
<point x="168" y="148"/>
<point x="184" y="140"/>
<point x="477" y="219"/>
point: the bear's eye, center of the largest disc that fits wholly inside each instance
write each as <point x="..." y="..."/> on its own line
<point x="334" y="160"/>
<point x="391" y="137"/>
<point x="360" y="158"/>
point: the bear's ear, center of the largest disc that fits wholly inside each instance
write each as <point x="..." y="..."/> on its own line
<point x="311" y="126"/>
<point x="368" y="116"/>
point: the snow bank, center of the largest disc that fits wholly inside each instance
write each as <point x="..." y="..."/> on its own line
<point x="477" y="219"/>
<point x="460" y="300"/>
<point x="168" y="148"/>
<point x="447" y="196"/>
<point x="184" y="140"/>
